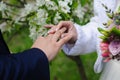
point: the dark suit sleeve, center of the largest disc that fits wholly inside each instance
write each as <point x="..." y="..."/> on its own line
<point x="3" y="46"/>
<point x="31" y="64"/>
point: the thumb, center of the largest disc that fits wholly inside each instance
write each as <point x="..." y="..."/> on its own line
<point x="48" y="26"/>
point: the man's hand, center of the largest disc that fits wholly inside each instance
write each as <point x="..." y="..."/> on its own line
<point x="52" y="43"/>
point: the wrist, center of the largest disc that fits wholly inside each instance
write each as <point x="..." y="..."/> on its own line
<point x="73" y="40"/>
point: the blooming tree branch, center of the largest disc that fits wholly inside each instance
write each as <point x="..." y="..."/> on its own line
<point x="42" y="12"/>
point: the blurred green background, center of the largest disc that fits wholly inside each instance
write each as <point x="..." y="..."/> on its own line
<point x="62" y="67"/>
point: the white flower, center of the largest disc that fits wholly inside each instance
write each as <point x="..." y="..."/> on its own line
<point x="64" y="6"/>
<point x="69" y="1"/>
<point x="32" y="32"/>
<point x="42" y="31"/>
<point x="36" y="31"/>
<point x="57" y="18"/>
<point x="41" y="21"/>
<point x="42" y="10"/>
<point x="40" y="2"/>
<point x="79" y="12"/>
<point x="42" y="13"/>
<point x="51" y="5"/>
<point x="3" y="27"/>
<point x="28" y="9"/>
<point x="41" y="16"/>
<point x="2" y="6"/>
<point x="47" y="0"/>
<point x="37" y="23"/>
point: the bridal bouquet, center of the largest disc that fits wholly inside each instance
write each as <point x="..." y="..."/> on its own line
<point x="110" y="44"/>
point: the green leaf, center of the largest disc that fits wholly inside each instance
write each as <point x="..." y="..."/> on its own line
<point x="115" y="31"/>
<point x="31" y="14"/>
<point x="0" y="15"/>
<point x="104" y="38"/>
<point x="109" y="22"/>
<point x="14" y="2"/>
<point x="65" y="16"/>
<point x="76" y="19"/>
<point x="110" y="15"/>
<point x="104" y="32"/>
<point x="56" y="1"/>
<point x="83" y="2"/>
<point x="51" y="15"/>
<point x="75" y="4"/>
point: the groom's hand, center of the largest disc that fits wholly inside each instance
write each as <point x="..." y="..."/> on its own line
<point x="52" y="43"/>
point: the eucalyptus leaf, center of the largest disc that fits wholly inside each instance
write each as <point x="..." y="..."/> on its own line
<point x="104" y="32"/>
<point x="104" y="38"/>
<point x="83" y="2"/>
<point x="115" y="31"/>
<point x="110" y="15"/>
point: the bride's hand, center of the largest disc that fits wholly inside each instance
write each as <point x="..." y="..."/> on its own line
<point x="52" y="43"/>
<point x="70" y="30"/>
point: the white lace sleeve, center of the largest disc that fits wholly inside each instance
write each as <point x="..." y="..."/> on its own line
<point x="88" y="40"/>
<point x="88" y="34"/>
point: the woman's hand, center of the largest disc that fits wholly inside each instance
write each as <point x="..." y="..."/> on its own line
<point x="52" y="43"/>
<point x="70" y="29"/>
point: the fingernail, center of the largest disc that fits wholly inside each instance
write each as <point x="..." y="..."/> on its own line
<point x="62" y="36"/>
<point x="49" y="31"/>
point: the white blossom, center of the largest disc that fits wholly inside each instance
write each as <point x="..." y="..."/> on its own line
<point x="40" y="2"/>
<point x="3" y="27"/>
<point x="37" y="24"/>
<point x="51" y="5"/>
<point x="69" y="1"/>
<point x="42" y="16"/>
<point x="42" y="12"/>
<point x="57" y="18"/>
<point x="64" y="6"/>
<point x="32" y="32"/>
<point x="42" y="31"/>
<point x="2" y="6"/>
<point x="79" y="12"/>
<point x="28" y="9"/>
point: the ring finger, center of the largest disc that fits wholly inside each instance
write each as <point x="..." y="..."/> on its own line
<point x="58" y="34"/>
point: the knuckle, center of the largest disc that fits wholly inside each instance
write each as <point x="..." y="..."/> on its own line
<point x="64" y="40"/>
<point x="56" y="45"/>
<point x="58" y="32"/>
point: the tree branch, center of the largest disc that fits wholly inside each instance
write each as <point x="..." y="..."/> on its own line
<point x="80" y="66"/>
<point x="17" y="6"/>
<point x="4" y="20"/>
<point x="22" y="2"/>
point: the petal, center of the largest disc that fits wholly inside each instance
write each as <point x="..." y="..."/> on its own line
<point x="114" y="47"/>
<point x="104" y="44"/>
<point x="106" y="54"/>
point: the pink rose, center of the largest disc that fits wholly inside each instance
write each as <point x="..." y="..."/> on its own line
<point x="114" y="47"/>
